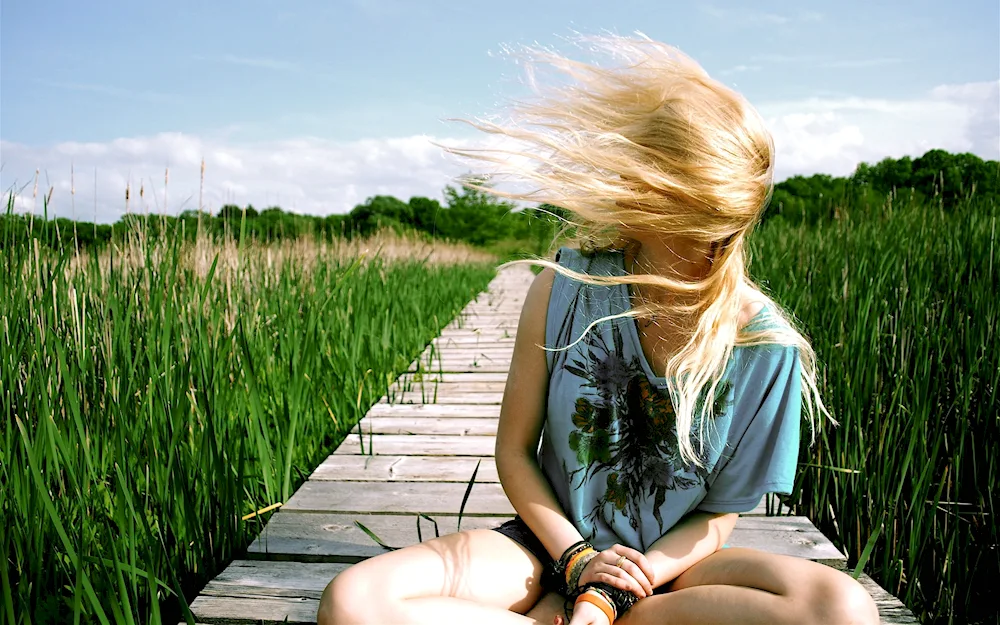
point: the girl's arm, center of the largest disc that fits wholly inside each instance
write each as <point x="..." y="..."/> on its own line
<point x="521" y="417"/>
<point x="697" y="536"/>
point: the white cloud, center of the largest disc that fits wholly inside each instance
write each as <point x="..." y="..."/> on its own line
<point x="319" y="177"/>
<point x="305" y="175"/>
<point x="832" y="135"/>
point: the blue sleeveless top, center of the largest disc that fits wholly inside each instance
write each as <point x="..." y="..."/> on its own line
<point x="609" y="443"/>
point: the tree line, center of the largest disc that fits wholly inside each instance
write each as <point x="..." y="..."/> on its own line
<point x="938" y="178"/>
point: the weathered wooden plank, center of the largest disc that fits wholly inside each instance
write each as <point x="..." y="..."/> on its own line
<point x="461" y="366"/>
<point x="468" y="351"/>
<point x="444" y="426"/>
<point x="216" y="610"/>
<point x="482" y="335"/>
<point x="428" y="397"/>
<point x="473" y="341"/>
<point x="485" y="321"/>
<point x="443" y="498"/>
<point x="418" y="445"/>
<point x="496" y="333"/>
<point x="478" y="324"/>
<point x="447" y="388"/>
<point x="433" y="410"/>
<point x="335" y="537"/>
<point x="457" y="368"/>
<point x="794" y="536"/>
<point x="274" y="579"/>
<point x="890" y="609"/>
<point x="469" y="356"/>
<point x="468" y="359"/>
<point x="406" y="469"/>
<point x="452" y="378"/>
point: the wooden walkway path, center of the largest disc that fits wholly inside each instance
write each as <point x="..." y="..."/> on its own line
<point x="414" y="453"/>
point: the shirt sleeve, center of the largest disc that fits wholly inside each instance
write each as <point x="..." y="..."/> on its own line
<point x="761" y="456"/>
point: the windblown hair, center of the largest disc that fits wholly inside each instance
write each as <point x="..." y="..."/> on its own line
<point x="653" y="144"/>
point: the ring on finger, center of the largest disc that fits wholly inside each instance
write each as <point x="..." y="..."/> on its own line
<point x="621" y="560"/>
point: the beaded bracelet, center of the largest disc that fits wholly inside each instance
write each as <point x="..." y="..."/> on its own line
<point x="555" y="574"/>
<point x="575" y="559"/>
<point x="573" y="576"/>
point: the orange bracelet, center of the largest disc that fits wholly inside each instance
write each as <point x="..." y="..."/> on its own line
<point x="600" y="602"/>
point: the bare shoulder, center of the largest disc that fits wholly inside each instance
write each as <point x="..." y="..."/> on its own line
<point x="536" y="302"/>
<point x="752" y="303"/>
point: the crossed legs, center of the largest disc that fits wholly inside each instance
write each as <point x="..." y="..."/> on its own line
<point x="481" y="576"/>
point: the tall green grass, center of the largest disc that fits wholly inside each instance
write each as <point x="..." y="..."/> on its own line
<point x="157" y="394"/>
<point x="902" y="303"/>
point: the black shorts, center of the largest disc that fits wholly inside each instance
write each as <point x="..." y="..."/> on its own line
<point x="518" y="531"/>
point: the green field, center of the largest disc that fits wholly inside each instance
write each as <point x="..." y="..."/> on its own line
<point x="155" y="396"/>
<point x="902" y="303"/>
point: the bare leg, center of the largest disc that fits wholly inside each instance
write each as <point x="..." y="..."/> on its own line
<point x="476" y="576"/>
<point x="749" y="586"/>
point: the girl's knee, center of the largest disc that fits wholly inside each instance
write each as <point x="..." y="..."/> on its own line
<point x="841" y="599"/>
<point x="347" y="599"/>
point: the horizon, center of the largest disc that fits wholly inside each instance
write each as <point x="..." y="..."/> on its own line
<point x="315" y="108"/>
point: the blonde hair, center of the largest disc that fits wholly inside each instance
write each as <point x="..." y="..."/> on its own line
<point x="656" y="145"/>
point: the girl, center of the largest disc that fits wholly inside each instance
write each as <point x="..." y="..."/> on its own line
<point x="665" y="386"/>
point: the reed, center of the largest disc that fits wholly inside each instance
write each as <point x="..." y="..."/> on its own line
<point x="161" y="396"/>
<point x="901" y="302"/>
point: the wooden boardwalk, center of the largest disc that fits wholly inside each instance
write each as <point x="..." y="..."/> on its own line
<point x="414" y="454"/>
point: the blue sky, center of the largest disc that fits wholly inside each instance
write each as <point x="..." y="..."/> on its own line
<point x="318" y="105"/>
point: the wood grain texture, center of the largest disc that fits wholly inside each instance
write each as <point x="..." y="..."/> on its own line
<point x="406" y="469"/>
<point x="430" y="396"/>
<point x="442" y="498"/>
<point x="468" y="411"/>
<point x="469" y="350"/>
<point x="443" y="388"/>
<point x="335" y="538"/>
<point x="445" y="426"/>
<point x="472" y="341"/>
<point x="890" y="609"/>
<point x="457" y="367"/>
<point x="417" y="445"/>
<point x="451" y="378"/>
<point x="242" y="610"/>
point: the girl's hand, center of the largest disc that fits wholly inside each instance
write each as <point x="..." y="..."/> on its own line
<point x="634" y="575"/>
<point x="584" y="614"/>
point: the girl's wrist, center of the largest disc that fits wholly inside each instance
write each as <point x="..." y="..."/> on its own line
<point x="600" y="599"/>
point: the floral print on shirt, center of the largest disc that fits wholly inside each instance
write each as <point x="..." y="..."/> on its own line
<point x="627" y="432"/>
